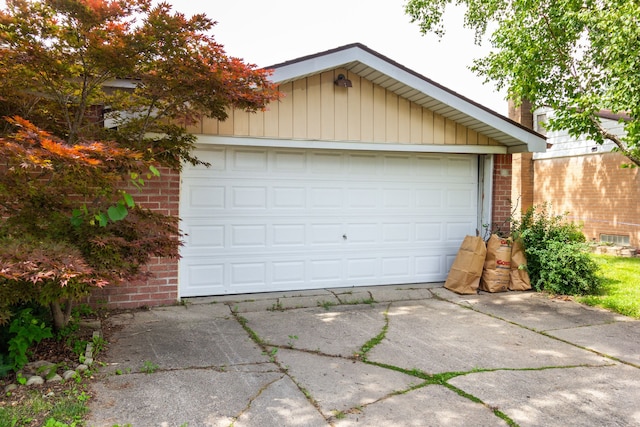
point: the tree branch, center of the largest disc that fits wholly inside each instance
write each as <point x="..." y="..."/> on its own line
<point x="616" y="140"/>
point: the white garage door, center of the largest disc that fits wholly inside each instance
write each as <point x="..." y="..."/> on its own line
<point x="271" y="219"/>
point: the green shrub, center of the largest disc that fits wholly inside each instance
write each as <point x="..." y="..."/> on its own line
<point x="558" y="260"/>
<point x="26" y="330"/>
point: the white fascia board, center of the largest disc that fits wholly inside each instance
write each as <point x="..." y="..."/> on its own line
<point x="533" y="142"/>
<point x="315" y="65"/>
<point x="348" y="145"/>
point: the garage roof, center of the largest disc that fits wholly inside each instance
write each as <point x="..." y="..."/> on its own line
<point x="382" y="71"/>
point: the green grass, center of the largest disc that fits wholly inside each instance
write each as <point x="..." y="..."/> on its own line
<point x="620" y="291"/>
<point x="67" y="409"/>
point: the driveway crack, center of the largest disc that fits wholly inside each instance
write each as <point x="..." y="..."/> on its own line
<point x="253" y="398"/>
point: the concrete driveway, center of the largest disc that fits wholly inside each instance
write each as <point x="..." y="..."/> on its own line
<point x="414" y="355"/>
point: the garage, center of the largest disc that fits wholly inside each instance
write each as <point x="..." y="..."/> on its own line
<point x="363" y="173"/>
<point x="278" y="219"/>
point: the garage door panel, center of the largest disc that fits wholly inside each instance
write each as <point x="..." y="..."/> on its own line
<point x="289" y="162"/>
<point x="460" y="198"/>
<point x="288" y="235"/>
<point x="323" y="270"/>
<point x="427" y="266"/>
<point x="456" y="231"/>
<point x="398" y="232"/>
<point x="325" y="163"/>
<point x="249" y="197"/>
<point x="248" y="236"/>
<point x="325" y="234"/>
<point x="430" y="198"/>
<point x="363" y="164"/>
<point x="398" y="165"/>
<point x="429" y="166"/>
<point x="363" y="268"/>
<point x="460" y="168"/>
<point x="362" y="198"/>
<point x="429" y="232"/>
<point x="205" y="236"/>
<point x="398" y="198"/>
<point x="205" y="196"/>
<point x="284" y="219"/>
<point x="326" y="197"/>
<point x="289" y="197"/>
<point x="231" y="233"/>
<point x="249" y="160"/>
<point x="288" y="272"/>
<point x="205" y="277"/>
<point x="216" y="157"/>
<point x="247" y="273"/>
<point x="360" y="233"/>
<point x="396" y="266"/>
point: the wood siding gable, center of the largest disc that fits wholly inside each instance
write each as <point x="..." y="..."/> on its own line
<point x="314" y="108"/>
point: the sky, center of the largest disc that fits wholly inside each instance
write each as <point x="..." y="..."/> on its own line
<point x="265" y="33"/>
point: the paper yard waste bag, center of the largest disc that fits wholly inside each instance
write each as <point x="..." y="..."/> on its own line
<point x="464" y="276"/>
<point x="519" y="280"/>
<point x="497" y="265"/>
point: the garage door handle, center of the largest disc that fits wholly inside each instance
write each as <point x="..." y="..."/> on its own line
<point x="344" y="237"/>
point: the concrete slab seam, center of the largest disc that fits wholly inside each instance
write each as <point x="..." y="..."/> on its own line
<point x="607" y="356"/>
<point x="254" y="397"/>
<point x="539" y="332"/>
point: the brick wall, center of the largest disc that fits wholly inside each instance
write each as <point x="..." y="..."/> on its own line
<point x="501" y="209"/>
<point x="163" y="195"/>
<point x="522" y="183"/>
<point x="523" y="176"/>
<point x="596" y="192"/>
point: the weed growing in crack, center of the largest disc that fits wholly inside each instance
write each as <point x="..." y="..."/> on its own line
<point x="369" y="301"/>
<point x="148" y="367"/>
<point x="338" y="414"/>
<point x="277" y="306"/>
<point x="307" y="394"/>
<point x="443" y="378"/>
<point x="326" y="304"/>
<point x="292" y="340"/>
<point x="271" y="353"/>
<point x="366" y="347"/>
<point x="243" y="322"/>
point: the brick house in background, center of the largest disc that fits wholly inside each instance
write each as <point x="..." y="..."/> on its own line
<point x="581" y="177"/>
<point x="364" y="173"/>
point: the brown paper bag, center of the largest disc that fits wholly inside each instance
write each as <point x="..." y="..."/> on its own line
<point x="497" y="265"/>
<point x="519" y="280"/>
<point x="464" y="276"/>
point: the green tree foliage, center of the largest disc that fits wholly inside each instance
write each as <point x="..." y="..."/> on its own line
<point x="558" y="259"/>
<point x="95" y="97"/>
<point x="577" y="57"/>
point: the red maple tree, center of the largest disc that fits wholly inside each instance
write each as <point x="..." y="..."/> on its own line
<point x="96" y="95"/>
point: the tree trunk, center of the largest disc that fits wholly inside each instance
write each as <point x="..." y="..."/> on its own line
<point x="60" y="317"/>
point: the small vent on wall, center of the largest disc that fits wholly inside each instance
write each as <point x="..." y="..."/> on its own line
<point x="616" y="239"/>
